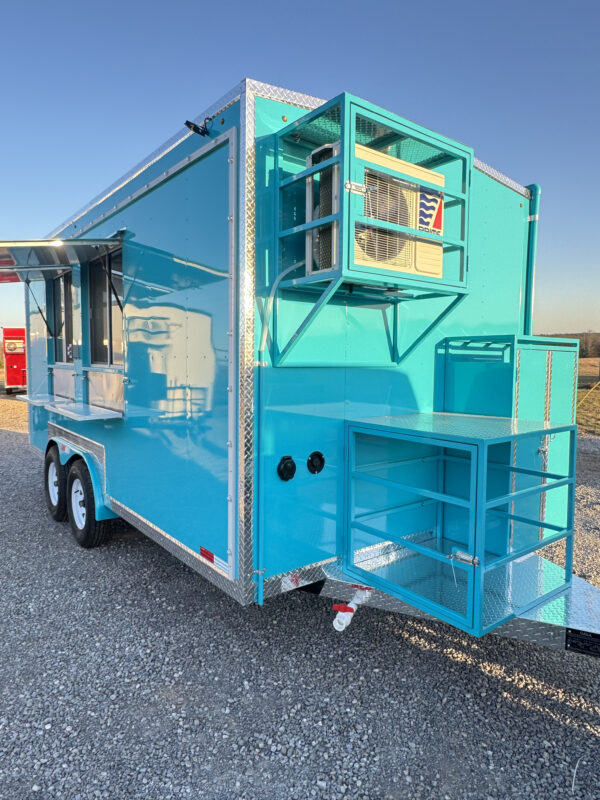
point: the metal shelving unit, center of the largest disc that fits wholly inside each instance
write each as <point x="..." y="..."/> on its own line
<point x="440" y="517"/>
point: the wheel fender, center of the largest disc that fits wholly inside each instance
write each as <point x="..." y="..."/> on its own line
<point x="66" y="453"/>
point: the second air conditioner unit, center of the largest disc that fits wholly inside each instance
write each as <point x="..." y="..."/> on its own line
<point x="322" y="200"/>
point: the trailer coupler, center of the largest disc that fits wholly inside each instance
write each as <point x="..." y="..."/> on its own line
<point x="345" y="611"/>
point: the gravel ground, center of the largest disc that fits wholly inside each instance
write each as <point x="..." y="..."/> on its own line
<point x="123" y="674"/>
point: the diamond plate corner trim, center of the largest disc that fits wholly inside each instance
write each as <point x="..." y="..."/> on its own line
<point x="271" y="92"/>
<point x="526" y="630"/>
<point x="251" y="89"/>
<point x="295" y="578"/>
<point x="95" y="449"/>
<point x="501" y="178"/>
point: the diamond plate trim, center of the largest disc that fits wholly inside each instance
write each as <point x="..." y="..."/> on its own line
<point x="501" y="178"/>
<point x="95" y="449"/>
<point x="341" y="589"/>
<point x="295" y="578"/>
<point x="246" y="289"/>
<point x="541" y="633"/>
<point x="545" y="625"/>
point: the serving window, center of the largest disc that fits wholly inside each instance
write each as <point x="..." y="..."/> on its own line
<point x="106" y="309"/>
<point x="63" y="318"/>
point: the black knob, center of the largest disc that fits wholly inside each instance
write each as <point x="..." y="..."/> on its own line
<point x="286" y="469"/>
<point x="315" y="462"/>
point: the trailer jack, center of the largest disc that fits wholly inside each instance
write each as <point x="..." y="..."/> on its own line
<point x="345" y="611"/>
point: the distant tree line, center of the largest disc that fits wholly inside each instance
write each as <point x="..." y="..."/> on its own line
<point x="589" y="343"/>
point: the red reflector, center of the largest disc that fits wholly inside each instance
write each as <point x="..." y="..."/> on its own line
<point x="342" y="607"/>
<point x="207" y="555"/>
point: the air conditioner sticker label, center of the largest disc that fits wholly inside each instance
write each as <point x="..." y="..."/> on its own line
<point x="431" y="212"/>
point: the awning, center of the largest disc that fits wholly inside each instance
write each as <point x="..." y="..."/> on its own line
<point x="37" y="258"/>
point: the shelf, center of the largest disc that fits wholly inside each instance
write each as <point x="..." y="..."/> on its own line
<point x="36" y="400"/>
<point x="81" y="412"/>
<point x="466" y="428"/>
<point x="391" y="482"/>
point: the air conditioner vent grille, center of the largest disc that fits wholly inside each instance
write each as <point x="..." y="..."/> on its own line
<point x="390" y="200"/>
<point x="384" y="248"/>
<point x="379" y="248"/>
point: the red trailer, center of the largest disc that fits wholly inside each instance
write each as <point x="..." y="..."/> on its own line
<point x="15" y="359"/>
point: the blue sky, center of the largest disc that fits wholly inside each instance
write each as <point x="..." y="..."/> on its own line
<point x="88" y="89"/>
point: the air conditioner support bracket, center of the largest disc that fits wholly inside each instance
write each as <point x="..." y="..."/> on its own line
<point x="333" y="285"/>
<point x="281" y="355"/>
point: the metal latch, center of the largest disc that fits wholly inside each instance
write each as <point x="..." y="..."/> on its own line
<point x="464" y="558"/>
<point x="355" y="188"/>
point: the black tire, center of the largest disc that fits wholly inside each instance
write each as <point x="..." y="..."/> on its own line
<point x="88" y="532"/>
<point x="58" y="509"/>
<point x="8" y="391"/>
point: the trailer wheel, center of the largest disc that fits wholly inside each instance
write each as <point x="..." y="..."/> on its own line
<point x="55" y="485"/>
<point x="87" y="530"/>
<point x="7" y="390"/>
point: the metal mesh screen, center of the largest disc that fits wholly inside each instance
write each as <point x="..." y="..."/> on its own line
<point x="387" y="140"/>
<point x="324" y="245"/>
<point x="322" y="130"/>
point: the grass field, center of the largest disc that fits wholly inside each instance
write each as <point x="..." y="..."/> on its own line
<point x="588" y="413"/>
<point x="589" y="367"/>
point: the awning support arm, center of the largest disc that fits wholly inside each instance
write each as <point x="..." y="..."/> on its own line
<point x="109" y="276"/>
<point x="39" y="309"/>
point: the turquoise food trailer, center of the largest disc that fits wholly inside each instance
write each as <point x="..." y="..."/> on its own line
<point x="294" y="347"/>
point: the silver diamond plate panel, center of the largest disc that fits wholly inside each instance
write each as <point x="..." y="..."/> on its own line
<point x="578" y="607"/>
<point x="501" y="178"/>
<point x="527" y="630"/>
<point x="339" y="588"/>
<point x="246" y="445"/>
<point x="95" y="449"/>
<point x="295" y="578"/>
<point x="514" y="585"/>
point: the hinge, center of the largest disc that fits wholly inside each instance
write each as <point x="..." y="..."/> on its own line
<point x="464" y="558"/>
<point x="533" y="218"/>
<point x="355" y="188"/>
